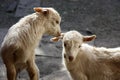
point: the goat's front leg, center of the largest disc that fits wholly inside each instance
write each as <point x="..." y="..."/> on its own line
<point x="32" y="69"/>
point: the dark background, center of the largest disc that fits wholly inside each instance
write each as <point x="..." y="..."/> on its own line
<point x="99" y="17"/>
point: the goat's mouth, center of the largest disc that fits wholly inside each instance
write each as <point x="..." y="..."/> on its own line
<point x="54" y="34"/>
<point x="57" y="34"/>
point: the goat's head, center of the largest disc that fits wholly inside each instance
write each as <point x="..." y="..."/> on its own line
<point x="72" y="43"/>
<point x="52" y="20"/>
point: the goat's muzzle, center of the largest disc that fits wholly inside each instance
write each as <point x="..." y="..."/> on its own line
<point x="70" y="58"/>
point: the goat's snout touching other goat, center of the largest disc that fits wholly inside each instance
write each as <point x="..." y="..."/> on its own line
<point x="18" y="46"/>
<point x="86" y="62"/>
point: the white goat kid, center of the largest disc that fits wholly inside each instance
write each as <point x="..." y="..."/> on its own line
<point x="86" y="62"/>
<point x="18" y="47"/>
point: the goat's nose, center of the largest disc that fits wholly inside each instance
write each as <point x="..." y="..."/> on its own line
<point x="58" y="34"/>
<point x="64" y="55"/>
<point x="71" y="58"/>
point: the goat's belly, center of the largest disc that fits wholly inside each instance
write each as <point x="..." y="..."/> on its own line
<point x="20" y="62"/>
<point x="23" y="56"/>
<point x="20" y="66"/>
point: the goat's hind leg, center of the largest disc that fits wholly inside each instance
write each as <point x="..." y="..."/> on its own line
<point x="11" y="71"/>
<point x="10" y="67"/>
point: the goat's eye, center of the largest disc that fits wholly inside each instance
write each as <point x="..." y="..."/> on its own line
<point x="57" y="22"/>
<point x="79" y="46"/>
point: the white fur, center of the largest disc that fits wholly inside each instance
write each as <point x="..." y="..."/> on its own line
<point x="90" y="63"/>
<point x="18" y="46"/>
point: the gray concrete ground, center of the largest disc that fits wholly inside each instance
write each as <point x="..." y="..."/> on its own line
<point x="101" y="17"/>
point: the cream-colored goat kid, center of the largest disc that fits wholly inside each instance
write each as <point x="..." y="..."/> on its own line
<point x="18" y="47"/>
<point x="86" y="62"/>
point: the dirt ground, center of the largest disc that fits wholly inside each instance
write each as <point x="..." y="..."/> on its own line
<point x="101" y="17"/>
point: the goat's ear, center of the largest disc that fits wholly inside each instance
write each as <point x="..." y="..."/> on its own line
<point x="37" y="9"/>
<point x="89" y="38"/>
<point x="41" y="10"/>
<point x="56" y="39"/>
